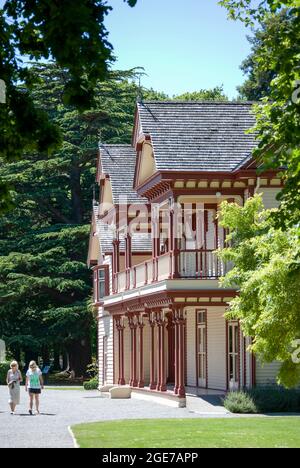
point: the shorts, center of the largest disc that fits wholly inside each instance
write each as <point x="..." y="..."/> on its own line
<point x="34" y="391"/>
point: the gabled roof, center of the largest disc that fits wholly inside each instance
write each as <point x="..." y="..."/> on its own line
<point x="198" y="136"/>
<point x="104" y="235"/>
<point x="118" y="162"/>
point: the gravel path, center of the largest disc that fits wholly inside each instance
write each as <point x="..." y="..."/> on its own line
<point x="62" y="408"/>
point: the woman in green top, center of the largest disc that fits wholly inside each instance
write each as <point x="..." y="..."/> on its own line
<point x="34" y="385"/>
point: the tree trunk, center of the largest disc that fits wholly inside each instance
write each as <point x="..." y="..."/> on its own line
<point x="46" y="356"/>
<point x="56" y="363"/>
<point x="76" y="196"/>
<point x="66" y="361"/>
<point x="80" y="356"/>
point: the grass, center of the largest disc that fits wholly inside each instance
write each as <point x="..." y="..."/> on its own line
<point x="272" y="432"/>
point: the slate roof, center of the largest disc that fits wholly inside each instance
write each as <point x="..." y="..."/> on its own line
<point x="198" y="136"/>
<point x="140" y="242"/>
<point x="118" y="161"/>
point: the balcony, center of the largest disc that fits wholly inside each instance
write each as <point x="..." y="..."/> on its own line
<point x="185" y="264"/>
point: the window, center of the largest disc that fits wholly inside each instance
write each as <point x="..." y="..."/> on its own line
<point x="201" y="316"/>
<point x="233" y="355"/>
<point x="101" y="283"/>
<point x="201" y="348"/>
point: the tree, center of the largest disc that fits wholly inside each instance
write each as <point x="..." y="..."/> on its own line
<point x="266" y="273"/>
<point x="258" y="82"/>
<point x="278" y="114"/>
<point x="72" y="33"/>
<point x="45" y="286"/>
<point x="214" y="94"/>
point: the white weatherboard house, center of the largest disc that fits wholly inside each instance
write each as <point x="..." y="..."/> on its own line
<point x="154" y="233"/>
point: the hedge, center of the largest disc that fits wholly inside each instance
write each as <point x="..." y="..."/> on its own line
<point x="263" y="400"/>
<point x="4" y="368"/>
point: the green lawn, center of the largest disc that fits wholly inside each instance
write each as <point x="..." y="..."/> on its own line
<point x="188" y="433"/>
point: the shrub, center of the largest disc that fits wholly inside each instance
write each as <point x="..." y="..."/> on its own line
<point x="276" y="399"/>
<point x="92" y="370"/>
<point x="263" y="400"/>
<point x="91" y="384"/>
<point x="239" y="402"/>
<point x="4" y="368"/>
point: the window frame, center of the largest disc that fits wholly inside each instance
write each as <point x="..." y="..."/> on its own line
<point x="96" y="289"/>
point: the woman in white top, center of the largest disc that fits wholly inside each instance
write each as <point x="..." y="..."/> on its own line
<point x="13" y="380"/>
<point x="34" y="386"/>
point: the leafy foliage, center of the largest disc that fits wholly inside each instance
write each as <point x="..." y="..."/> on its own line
<point x="72" y="33"/>
<point x="263" y="400"/>
<point x="276" y="56"/>
<point x="92" y="384"/>
<point x="258" y="82"/>
<point x="4" y="368"/>
<point x="214" y="94"/>
<point x="240" y="403"/>
<point x="267" y="274"/>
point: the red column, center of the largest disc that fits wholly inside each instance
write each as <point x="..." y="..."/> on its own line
<point x="181" y="357"/>
<point x="135" y="382"/>
<point x="121" y="346"/>
<point x="176" y="351"/>
<point x="159" y="344"/>
<point x="132" y="326"/>
<point x="163" y="384"/>
<point x="141" y="325"/>
<point x="171" y="349"/>
<point x="152" y="352"/>
<point x="120" y="327"/>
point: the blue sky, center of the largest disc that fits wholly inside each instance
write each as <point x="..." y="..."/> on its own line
<point x="184" y="45"/>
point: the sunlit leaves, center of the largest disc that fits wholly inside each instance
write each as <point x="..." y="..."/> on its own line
<point x="267" y="274"/>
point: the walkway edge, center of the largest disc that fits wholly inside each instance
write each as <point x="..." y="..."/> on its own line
<point x="76" y="445"/>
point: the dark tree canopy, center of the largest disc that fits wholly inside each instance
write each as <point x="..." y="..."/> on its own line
<point x="258" y="82"/>
<point x="70" y="32"/>
<point x="45" y="285"/>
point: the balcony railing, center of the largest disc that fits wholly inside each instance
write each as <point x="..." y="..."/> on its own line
<point x="186" y="264"/>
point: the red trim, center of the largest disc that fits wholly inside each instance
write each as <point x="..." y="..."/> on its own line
<point x="158" y="354"/>
<point x="141" y="382"/>
<point x="253" y="373"/>
<point x="244" y="362"/>
<point x="163" y="384"/>
<point x="176" y="353"/>
<point x="226" y="355"/>
<point x="152" y="354"/>
<point x="181" y="383"/>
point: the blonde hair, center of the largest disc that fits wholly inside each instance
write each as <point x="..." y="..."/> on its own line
<point x="32" y="364"/>
<point x="14" y="364"/>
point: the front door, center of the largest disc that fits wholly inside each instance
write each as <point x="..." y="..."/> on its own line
<point x="233" y="355"/>
<point x="201" y="348"/>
